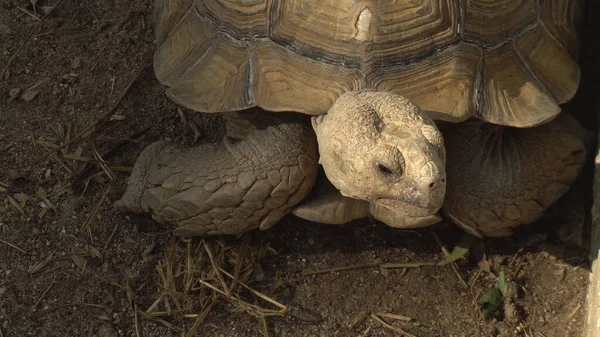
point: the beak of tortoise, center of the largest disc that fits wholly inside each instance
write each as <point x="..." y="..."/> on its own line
<point x="415" y="200"/>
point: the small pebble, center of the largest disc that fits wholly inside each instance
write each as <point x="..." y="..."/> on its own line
<point x="2" y="291"/>
<point x="259" y="273"/>
<point x="106" y="331"/>
<point x="15" y="93"/>
<point x="4" y="30"/>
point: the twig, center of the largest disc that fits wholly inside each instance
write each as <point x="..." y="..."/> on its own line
<point x="12" y="58"/>
<point x="13" y="246"/>
<point x="391" y="327"/>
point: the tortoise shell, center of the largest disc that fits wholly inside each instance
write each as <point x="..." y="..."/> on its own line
<point x="508" y="62"/>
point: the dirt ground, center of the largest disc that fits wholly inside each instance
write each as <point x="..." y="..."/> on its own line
<point x="81" y="78"/>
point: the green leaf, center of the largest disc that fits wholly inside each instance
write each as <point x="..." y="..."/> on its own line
<point x="461" y="249"/>
<point x="502" y="284"/>
<point x="492" y="304"/>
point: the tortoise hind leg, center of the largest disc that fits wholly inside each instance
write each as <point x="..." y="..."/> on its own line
<point x="501" y="177"/>
<point x="266" y="164"/>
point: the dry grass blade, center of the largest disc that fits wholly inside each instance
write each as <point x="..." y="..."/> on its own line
<point x="110" y="237"/>
<point x="35" y="17"/>
<point x="135" y="320"/>
<point x="13" y="246"/>
<point x="264" y="326"/>
<point x="88" y="221"/>
<point x="394" y="316"/>
<point x="103" y="118"/>
<point x="87" y="224"/>
<point x="238" y="267"/>
<point x="408" y="265"/>
<point x="154" y="305"/>
<point x="391" y="327"/>
<point x="161" y="321"/>
<point x="102" y="164"/>
<point x="195" y="275"/>
<point x="260" y="295"/>
<point x="573" y="312"/>
<point x="374" y="264"/>
<point x="61" y="162"/>
<point x="88" y="160"/>
<point x="200" y="319"/>
<point x="345" y="268"/>
<point x="31" y="32"/>
<point x="189" y="265"/>
<point x="15" y="204"/>
<point x="232" y="298"/>
<point x="41" y="264"/>
<point x="217" y="270"/>
<point x="108" y="173"/>
<point x="359" y="318"/>
<point x="43" y="294"/>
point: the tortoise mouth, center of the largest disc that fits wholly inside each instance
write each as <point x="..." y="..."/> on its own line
<point x="409" y="209"/>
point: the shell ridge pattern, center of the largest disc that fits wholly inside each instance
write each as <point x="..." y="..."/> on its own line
<point x="454" y="57"/>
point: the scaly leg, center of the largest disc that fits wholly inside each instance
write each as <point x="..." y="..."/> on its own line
<point x="266" y="164"/>
<point x="501" y="177"/>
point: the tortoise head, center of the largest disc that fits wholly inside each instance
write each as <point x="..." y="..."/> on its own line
<point x="379" y="147"/>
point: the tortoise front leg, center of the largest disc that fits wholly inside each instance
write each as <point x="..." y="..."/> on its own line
<point x="266" y="164"/>
<point x="501" y="177"/>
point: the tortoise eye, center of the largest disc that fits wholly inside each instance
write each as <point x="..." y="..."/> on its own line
<point x="386" y="170"/>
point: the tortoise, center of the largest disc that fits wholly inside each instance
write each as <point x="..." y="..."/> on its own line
<point x="343" y="109"/>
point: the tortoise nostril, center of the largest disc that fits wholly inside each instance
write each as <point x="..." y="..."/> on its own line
<point x="432" y="185"/>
